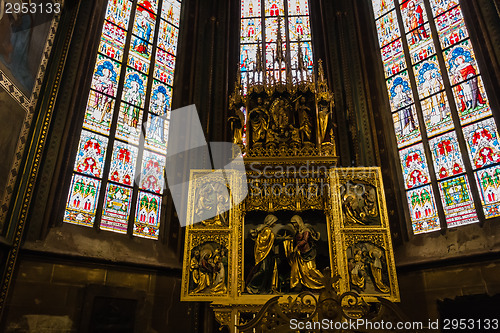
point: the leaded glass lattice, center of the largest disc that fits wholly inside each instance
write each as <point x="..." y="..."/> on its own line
<point x="265" y="22"/>
<point x="432" y="36"/>
<point x="137" y="51"/>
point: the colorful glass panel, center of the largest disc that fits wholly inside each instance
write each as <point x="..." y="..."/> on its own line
<point x="166" y="59"/>
<point x="298" y="7"/>
<point x="406" y="126"/>
<point x="299" y="28"/>
<point x="388" y="28"/>
<point x="380" y="7"/>
<point x="395" y="62"/>
<point x="106" y="76"/>
<point x="307" y="54"/>
<point x="116" y="209"/>
<point x="123" y="162"/>
<point x="134" y="89"/>
<point x="414" y="16"/>
<point x="453" y="35"/>
<point x="417" y="40"/>
<point x="422" y="51"/>
<point x="147" y="216"/>
<point x="111" y="49"/>
<point x="114" y="34"/>
<point x="171" y="11"/>
<point x="271" y="55"/>
<point x="272" y="30"/>
<point x="482" y="143"/>
<point x="144" y="24"/>
<point x="446" y="155"/>
<point x="118" y="12"/>
<point x="274" y="8"/>
<point x="250" y="8"/>
<point x="449" y="19"/>
<point x="248" y="56"/>
<point x="98" y="113"/>
<point x="414" y="165"/>
<point x="423" y="213"/>
<point x="167" y="37"/>
<point x="488" y="182"/>
<point x="163" y="73"/>
<point x="251" y="30"/>
<point x="150" y="5"/>
<point x="152" y="172"/>
<point x="393" y="50"/>
<point x="156" y="133"/>
<point x="129" y="123"/>
<point x="161" y="98"/>
<point x="82" y="201"/>
<point x="461" y="62"/>
<point x="91" y="153"/>
<point x="471" y="100"/>
<point x="428" y="77"/>
<point x="437" y="114"/>
<point x="440" y="6"/>
<point x="400" y="91"/>
<point x="139" y="56"/>
<point x="457" y="202"/>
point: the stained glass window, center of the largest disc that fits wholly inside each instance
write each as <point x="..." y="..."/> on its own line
<point x="440" y="112"/>
<point x="263" y="23"/>
<point x="274" y="32"/>
<point x="118" y="176"/>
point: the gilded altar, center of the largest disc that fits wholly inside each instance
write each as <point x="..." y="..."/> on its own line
<point x="293" y="225"/>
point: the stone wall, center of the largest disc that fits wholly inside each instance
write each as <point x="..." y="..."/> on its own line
<point x="423" y="289"/>
<point x="58" y="296"/>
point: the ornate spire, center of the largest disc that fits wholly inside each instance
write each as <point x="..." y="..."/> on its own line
<point x="301" y="66"/>
<point x="259" y="67"/>
<point x="321" y="73"/>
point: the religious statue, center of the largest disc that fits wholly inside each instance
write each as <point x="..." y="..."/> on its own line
<point x="222" y="218"/>
<point x="376" y="269"/>
<point x="294" y="136"/>
<point x="263" y="278"/>
<point x="272" y="137"/>
<point x="301" y="255"/>
<point x="206" y="201"/>
<point x="209" y="272"/>
<point x="237" y="123"/>
<point x="324" y="112"/>
<point x="194" y="268"/>
<point x="359" y="203"/>
<point x="259" y="122"/>
<point x="357" y="272"/>
<point x="279" y="115"/>
<point x="305" y="124"/>
<point x="212" y="205"/>
<point x="219" y="275"/>
<point x="365" y="268"/>
<point x="206" y="270"/>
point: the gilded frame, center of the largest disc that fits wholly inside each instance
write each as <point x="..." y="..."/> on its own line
<point x="339" y="234"/>
<point x="350" y="234"/>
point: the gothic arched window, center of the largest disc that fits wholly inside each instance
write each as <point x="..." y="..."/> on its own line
<point x="446" y="135"/>
<point x="118" y="173"/>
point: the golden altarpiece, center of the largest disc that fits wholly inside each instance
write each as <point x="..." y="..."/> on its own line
<point x="308" y="235"/>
